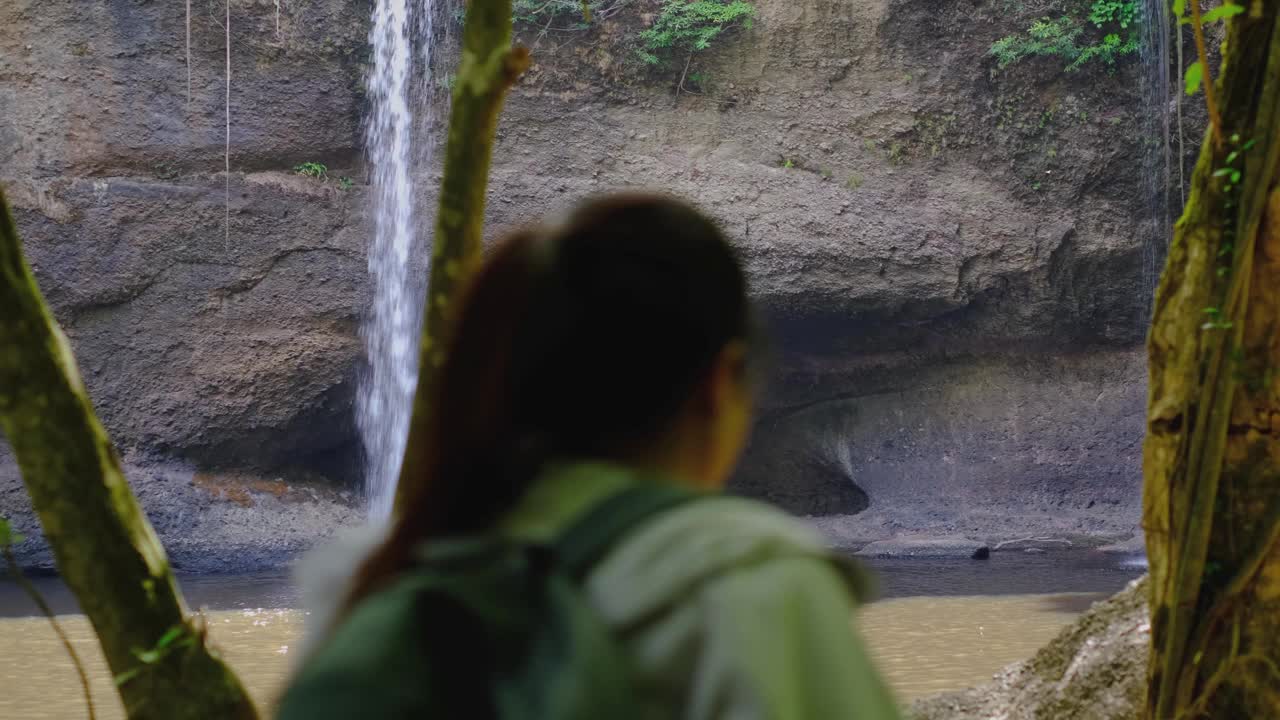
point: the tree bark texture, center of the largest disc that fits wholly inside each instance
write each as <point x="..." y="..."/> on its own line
<point x="488" y="68"/>
<point x="105" y="549"/>
<point x="1212" y="453"/>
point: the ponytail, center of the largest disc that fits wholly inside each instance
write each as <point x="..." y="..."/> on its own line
<point x="581" y="340"/>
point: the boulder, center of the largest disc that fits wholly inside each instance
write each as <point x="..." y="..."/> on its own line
<point x="1095" y="669"/>
<point x="925" y="546"/>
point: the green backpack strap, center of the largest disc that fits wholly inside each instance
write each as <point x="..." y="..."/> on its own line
<point x="587" y="540"/>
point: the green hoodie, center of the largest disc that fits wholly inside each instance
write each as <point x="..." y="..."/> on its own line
<point x="725" y="608"/>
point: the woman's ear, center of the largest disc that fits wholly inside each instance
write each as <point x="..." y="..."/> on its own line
<point x="728" y="413"/>
<point x="727" y="381"/>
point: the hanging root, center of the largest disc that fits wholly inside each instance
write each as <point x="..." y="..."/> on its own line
<point x="1215" y="118"/>
<point x="188" y="54"/>
<point x="226" y="148"/>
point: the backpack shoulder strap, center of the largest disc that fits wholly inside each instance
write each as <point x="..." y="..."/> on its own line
<point x="589" y="538"/>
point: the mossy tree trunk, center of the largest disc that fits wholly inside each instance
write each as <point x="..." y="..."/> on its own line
<point x="1212" y="454"/>
<point x="105" y="549"/>
<point x="488" y="68"/>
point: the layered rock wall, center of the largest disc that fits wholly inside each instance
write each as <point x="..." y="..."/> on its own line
<point x="953" y="259"/>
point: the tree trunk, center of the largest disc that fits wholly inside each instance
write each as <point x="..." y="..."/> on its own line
<point x="106" y="550"/>
<point x="488" y="68"/>
<point x="1212" y="454"/>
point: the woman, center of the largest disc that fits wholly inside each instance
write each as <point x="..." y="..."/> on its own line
<point x="586" y="359"/>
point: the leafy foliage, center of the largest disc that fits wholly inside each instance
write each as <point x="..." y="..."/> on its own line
<point x="312" y="169"/>
<point x="1044" y="37"/>
<point x="681" y="28"/>
<point x="1194" y="74"/>
<point x="684" y="28"/>
<point x="1070" y="38"/>
<point x="8" y="536"/>
<point x="543" y="11"/>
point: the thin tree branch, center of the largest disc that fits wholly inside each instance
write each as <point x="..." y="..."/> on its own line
<point x="106" y="551"/>
<point x="188" y="54"/>
<point x="1215" y="119"/>
<point x="488" y="69"/>
<point x="226" y="149"/>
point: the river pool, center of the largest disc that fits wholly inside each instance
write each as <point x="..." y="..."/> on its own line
<point x="940" y="625"/>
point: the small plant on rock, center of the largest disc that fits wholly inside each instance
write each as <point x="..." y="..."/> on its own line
<point x="684" y="28"/>
<point x="541" y="12"/>
<point x="165" y="170"/>
<point x="897" y="154"/>
<point x="1069" y="37"/>
<point x="312" y="169"/>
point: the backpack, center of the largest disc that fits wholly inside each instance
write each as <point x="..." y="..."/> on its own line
<point x="485" y="629"/>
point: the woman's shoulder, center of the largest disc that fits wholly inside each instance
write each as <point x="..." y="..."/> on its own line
<point x="671" y="555"/>
<point x="365" y="664"/>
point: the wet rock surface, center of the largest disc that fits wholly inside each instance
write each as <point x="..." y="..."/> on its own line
<point x="211" y="522"/>
<point x="930" y="546"/>
<point x="1096" y="669"/>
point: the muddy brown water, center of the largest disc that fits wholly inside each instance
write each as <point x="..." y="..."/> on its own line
<point x="941" y="626"/>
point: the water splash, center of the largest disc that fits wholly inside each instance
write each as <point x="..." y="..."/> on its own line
<point x="399" y="141"/>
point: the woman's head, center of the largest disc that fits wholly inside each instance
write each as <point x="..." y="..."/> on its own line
<point x="620" y="332"/>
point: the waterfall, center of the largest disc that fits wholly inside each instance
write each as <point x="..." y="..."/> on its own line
<point x="1157" y="160"/>
<point x="399" y="142"/>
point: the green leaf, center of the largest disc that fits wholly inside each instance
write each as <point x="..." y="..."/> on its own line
<point x="1221" y="12"/>
<point x="1235" y="176"/>
<point x="169" y="636"/>
<point x="1232" y="157"/>
<point x="9" y="536"/>
<point x="1179" y="8"/>
<point x="1194" y="77"/>
<point x="1248" y="146"/>
<point x="150" y="657"/>
<point x="1222" y="172"/>
<point x="127" y="675"/>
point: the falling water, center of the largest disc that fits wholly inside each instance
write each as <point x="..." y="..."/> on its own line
<point x="399" y="142"/>
<point x="1157" y="159"/>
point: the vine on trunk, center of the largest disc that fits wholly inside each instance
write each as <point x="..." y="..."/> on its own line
<point x="1211" y="505"/>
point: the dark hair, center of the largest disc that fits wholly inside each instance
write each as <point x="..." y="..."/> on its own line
<point x="582" y="339"/>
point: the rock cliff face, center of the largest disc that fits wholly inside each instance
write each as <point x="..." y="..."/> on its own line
<point x="951" y="258"/>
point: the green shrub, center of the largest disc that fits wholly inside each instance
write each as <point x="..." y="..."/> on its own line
<point x="542" y="11"/>
<point x="1044" y="37"/>
<point x="684" y="28"/>
<point x="312" y="169"/>
<point x="1068" y="37"/>
<point x="1109" y="50"/>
